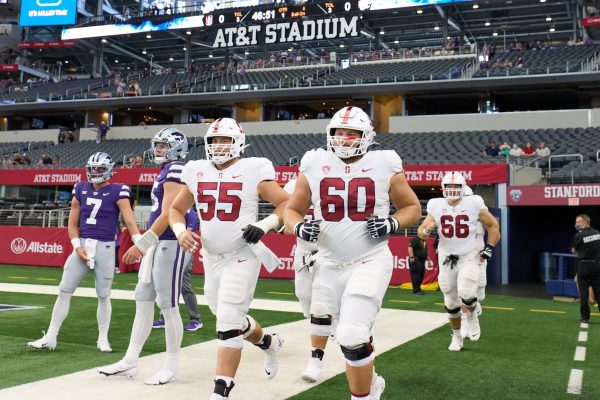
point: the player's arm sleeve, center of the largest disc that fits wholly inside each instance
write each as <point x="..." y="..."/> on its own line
<point x="76" y="192"/>
<point x="174" y="174"/>
<point x="395" y="162"/>
<point x="290" y="186"/>
<point x="265" y="170"/>
<point x="307" y="160"/>
<point x="430" y="207"/>
<point x="125" y="192"/>
<point x="185" y="175"/>
<point x="479" y="203"/>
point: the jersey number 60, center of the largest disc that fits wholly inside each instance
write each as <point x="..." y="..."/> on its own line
<point x="334" y="206"/>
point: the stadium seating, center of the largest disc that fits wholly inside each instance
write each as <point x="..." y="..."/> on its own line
<point x="542" y="61"/>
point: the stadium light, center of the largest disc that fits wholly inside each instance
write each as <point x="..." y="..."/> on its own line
<point x="552" y="29"/>
<point x="437" y="27"/>
<point x="104" y="40"/>
<point x="144" y="51"/>
<point x="341" y="45"/>
<point x="419" y="11"/>
<point x="495" y="34"/>
<point x="116" y="61"/>
<point x="382" y="32"/>
<point x="171" y="58"/>
<point x="210" y="55"/>
<point x="184" y="48"/>
<point x="188" y="32"/>
<point x="148" y="36"/>
<point x="66" y="61"/>
<point x="548" y="18"/>
<point x="396" y="41"/>
<point x="542" y="1"/>
<point x="488" y="23"/>
<point x="475" y="6"/>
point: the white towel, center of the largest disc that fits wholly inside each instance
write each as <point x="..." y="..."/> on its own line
<point x="90" y="249"/>
<point x="266" y="256"/>
<point x="145" y="272"/>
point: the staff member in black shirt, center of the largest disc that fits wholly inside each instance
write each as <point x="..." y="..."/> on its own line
<point x="417" y="256"/>
<point x="586" y="244"/>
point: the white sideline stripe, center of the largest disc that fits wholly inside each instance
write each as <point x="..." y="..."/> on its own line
<point x="197" y="364"/>
<point x="575" y="381"/>
<point x="579" y="353"/>
<point x="583" y="325"/>
<point x="117" y="294"/>
<point x="583" y="337"/>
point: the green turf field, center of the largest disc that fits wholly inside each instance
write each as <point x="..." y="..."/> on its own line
<point x="526" y="350"/>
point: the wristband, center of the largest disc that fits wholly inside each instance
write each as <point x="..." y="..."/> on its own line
<point x="269" y="223"/>
<point x="147" y="240"/>
<point x="178" y="229"/>
<point x="136" y="237"/>
<point x="76" y="242"/>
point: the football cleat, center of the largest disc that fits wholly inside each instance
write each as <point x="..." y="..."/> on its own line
<point x="119" y="368"/>
<point x="377" y="387"/>
<point x="272" y="356"/>
<point x="193" y="326"/>
<point x="313" y="370"/>
<point x="104" y="346"/>
<point x="162" y="377"/>
<point x="457" y="342"/>
<point x="45" y="342"/>
<point x="158" y="324"/>
<point x="474" y="328"/>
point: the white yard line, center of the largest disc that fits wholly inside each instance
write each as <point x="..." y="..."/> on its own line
<point x="579" y="353"/>
<point x="583" y="325"/>
<point x="583" y="336"/>
<point x="575" y="381"/>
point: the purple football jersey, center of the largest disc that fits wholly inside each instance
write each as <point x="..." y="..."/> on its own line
<point x="191" y="220"/>
<point x="99" y="214"/>
<point x="170" y="172"/>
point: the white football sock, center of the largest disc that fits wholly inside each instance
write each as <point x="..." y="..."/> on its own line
<point x="103" y="316"/>
<point x="173" y="335"/>
<point x="59" y="312"/>
<point x="142" y="325"/>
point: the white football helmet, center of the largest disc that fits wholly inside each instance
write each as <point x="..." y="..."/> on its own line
<point x="227" y="127"/>
<point x="350" y="118"/>
<point x="99" y="167"/>
<point x="453" y="178"/>
<point x="178" y="145"/>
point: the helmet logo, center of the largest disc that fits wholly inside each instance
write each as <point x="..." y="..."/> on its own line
<point x="346" y="115"/>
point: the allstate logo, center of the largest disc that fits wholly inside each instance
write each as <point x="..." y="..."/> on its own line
<point x="18" y="245"/>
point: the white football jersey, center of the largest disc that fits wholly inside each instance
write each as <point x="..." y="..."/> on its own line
<point x="344" y="195"/>
<point x="303" y="245"/>
<point x="457" y="225"/>
<point x="226" y="200"/>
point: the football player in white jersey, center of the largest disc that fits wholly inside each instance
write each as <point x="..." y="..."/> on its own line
<point x="351" y="190"/>
<point x="456" y="217"/>
<point x="226" y="189"/>
<point x="482" y="283"/>
<point x="304" y="272"/>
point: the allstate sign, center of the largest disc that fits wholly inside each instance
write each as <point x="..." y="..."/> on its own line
<point x="48" y="12"/>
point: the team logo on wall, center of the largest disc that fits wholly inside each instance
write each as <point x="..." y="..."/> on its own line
<point x="516" y="194"/>
<point x="18" y="245"/>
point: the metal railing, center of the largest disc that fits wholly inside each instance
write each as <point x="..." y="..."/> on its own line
<point x="598" y="155"/>
<point x="575" y="155"/>
<point x="32" y="217"/>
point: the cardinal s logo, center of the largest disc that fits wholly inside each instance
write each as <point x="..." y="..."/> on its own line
<point x="516" y="194"/>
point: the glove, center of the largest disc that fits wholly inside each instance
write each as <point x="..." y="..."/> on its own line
<point x="308" y="231"/>
<point x="252" y="234"/>
<point x="487" y="251"/>
<point x="308" y="261"/>
<point x="380" y="226"/>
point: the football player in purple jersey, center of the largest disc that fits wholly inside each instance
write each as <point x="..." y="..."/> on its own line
<point x="162" y="264"/>
<point x="93" y="221"/>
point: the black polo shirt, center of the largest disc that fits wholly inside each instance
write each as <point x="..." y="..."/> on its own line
<point x="587" y="244"/>
<point x="419" y="250"/>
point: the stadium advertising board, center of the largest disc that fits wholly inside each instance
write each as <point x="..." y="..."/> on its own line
<point x="51" y="246"/>
<point x="583" y="194"/>
<point x="415" y="174"/>
<point x="45" y="45"/>
<point x="9" y="67"/>
<point x="48" y="12"/>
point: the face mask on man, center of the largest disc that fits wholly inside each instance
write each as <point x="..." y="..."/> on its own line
<point x="577" y="227"/>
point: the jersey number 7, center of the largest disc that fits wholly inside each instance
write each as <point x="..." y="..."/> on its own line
<point x="357" y="200"/>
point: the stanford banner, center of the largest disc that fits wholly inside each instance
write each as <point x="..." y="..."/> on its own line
<point x="415" y="174"/>
<point x="584" y="194"/>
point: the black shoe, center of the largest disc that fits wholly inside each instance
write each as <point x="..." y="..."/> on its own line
<point x="420" y="293"/>
<point x="584" y="321"/>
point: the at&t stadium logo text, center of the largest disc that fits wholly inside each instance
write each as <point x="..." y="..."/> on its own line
<point x="19" y="246"/>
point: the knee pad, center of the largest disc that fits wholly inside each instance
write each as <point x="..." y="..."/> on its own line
<point x="105" y="299"/>
<point x="229" y="317"/>
<point x="232" y="339"/>
<point x="469" y="302"/>
<point x="249" y="326"/>
<point x="320" y="326"/>
<point x="351" y="334"/>
<point x="453" y="312"/>
<point x="358" y="356"/>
